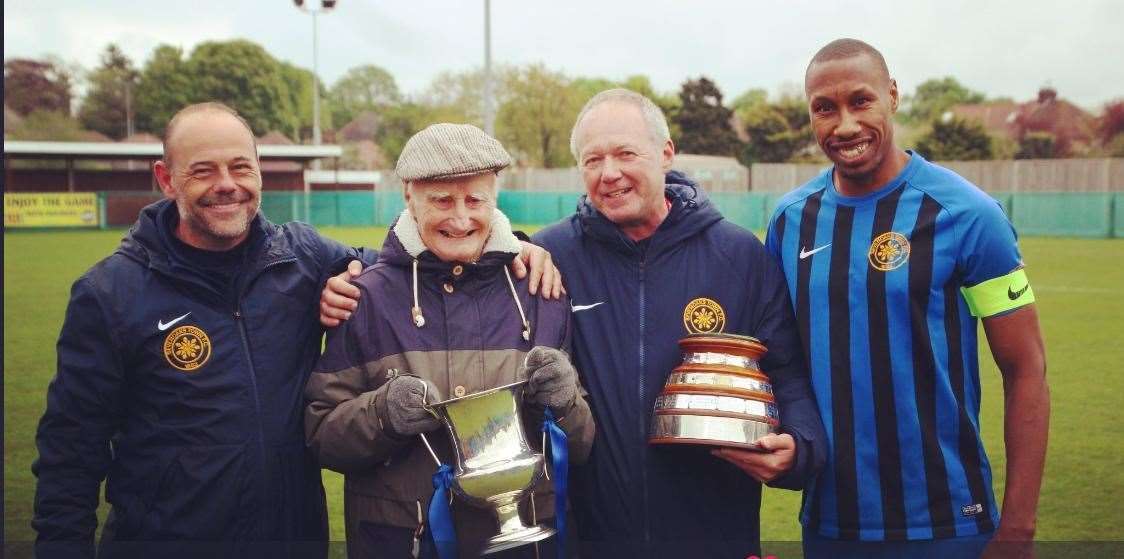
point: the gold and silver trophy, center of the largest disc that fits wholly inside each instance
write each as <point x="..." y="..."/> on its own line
<point x="717" y="396"/>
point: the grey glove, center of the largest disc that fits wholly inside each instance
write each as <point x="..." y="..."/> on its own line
<point x="551" y="379"/>
<point x="403" y="411"/>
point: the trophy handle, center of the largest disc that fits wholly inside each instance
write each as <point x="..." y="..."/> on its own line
<point x="425" y="400"/>
<point x="430" y="449"/>
<point x="426" y="407"/>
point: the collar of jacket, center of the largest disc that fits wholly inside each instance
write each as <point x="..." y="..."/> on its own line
<point x="404" y="248"/>
<point x="404" y="244"/>
<point x="691" y="211"/>
<point x="149" y="242"/>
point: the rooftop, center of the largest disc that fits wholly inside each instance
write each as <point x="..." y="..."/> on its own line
<point x="104" y="151"/>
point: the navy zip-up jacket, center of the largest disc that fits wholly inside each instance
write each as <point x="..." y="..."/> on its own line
<point x="186" y="397"/>
<point x="629" y="306"/>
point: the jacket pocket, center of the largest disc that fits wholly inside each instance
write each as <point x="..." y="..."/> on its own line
<point x="132" y="484"/>
<point x="203" y="495"/>
<point x="372" y="539"/>
<point x="296" y="509"/>
<point x="379" y="510"/>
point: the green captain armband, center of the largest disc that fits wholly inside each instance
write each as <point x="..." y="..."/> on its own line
<point x="999" y="294"/>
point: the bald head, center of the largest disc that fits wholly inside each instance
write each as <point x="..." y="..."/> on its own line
<point x="195" y="109"/>
<point x="215" y="179"/>
<point x="840" y="49"/>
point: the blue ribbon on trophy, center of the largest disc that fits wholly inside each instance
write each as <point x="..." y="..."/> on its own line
<point x="441" y="514"/>
<point x="560" y="460"/>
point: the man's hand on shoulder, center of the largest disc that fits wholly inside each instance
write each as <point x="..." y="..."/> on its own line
<point x="339" y="297"/>
<point x="777" y="456"/>
<point x="545" y="276"/>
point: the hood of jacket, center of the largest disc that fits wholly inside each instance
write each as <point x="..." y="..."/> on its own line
<point x="150" y="241"/>
<point x="404" y="244"/>
<point x="687" y="200"/>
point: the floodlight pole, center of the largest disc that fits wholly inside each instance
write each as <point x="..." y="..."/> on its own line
<point x="315" y="82"/>
<point x="129" y="129"/>
<point x="320" y="6"/>
<point x="489" y="105"/>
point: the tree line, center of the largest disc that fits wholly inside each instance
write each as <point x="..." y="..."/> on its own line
<point x="535" y="107"/>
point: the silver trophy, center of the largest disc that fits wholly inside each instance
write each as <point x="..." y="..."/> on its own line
<point x="718" y="395"/>
<point x="495" y="465"/>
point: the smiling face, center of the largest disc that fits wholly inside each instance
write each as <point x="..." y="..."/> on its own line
<point x="212" y="173"/>
<point x="454" y="217"/>
<point x="851" y="102"/>
<point x="623" y="167"/>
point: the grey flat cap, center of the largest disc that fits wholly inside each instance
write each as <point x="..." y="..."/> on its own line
<point x="449" y="151"/>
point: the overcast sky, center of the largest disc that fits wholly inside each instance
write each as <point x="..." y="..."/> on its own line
<point x="1007" y="48"/>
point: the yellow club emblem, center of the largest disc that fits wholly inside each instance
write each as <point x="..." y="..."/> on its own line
<point x="888" y="251"/>
<point x="704" y="316"/>
<point x="187" y="348"/>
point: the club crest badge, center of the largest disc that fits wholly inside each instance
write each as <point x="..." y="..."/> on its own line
<point x="704" y="316"/>
<point x="187" y="348"/>
<point x="888" y="251"/>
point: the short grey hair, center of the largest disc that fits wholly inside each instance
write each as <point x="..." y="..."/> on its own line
<point x="653" y="115"/>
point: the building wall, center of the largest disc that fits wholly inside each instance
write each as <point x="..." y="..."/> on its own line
<point x="140" y="180"/>
<point x="55" y="180"/>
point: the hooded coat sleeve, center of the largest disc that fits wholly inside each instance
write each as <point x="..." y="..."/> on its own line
<point x="84" y="410"/>
<point x="342" y="422"/>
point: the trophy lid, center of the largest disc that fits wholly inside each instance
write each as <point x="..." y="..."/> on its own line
<point x="734" y="344"/>
<point x="723" y="335"/>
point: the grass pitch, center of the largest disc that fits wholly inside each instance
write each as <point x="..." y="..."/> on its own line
<point x="1079" y="285"/>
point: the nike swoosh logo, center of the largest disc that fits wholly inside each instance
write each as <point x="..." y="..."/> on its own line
<point x="806" y="253"/>
<point x="1012" y="294"/>
<point x="161" y="326"/>
<point x="576" y="308"/>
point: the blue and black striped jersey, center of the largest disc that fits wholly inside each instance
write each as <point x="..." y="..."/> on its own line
<point x="876" y="283"/>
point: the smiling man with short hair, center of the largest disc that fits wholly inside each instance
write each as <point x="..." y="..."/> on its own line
<point x="646" y="245"/>
<point x="890" y="260"/>
<point x="215" y="180"/>
<point x="181" y="366"/>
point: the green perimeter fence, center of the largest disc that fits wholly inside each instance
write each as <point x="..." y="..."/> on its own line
<point x="1058" y="214"/>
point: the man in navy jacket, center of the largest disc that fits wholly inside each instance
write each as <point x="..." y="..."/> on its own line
<point x="642" y="250"/>
<point x="181" y="366"/>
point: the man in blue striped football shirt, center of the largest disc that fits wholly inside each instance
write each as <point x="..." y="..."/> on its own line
<point x="890" y="260"/>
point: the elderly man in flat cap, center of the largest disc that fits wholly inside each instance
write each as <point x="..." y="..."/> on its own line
<point x="449" y="320"/>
